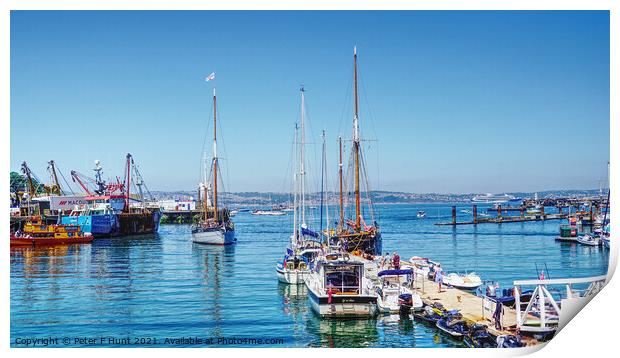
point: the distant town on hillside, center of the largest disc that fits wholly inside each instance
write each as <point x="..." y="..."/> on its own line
<point x="379" y="197"/>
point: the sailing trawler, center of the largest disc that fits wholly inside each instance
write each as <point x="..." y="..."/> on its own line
<point x="304" y="246"/>
<point x="216" y="227"/>
<point x="354" y="235"/>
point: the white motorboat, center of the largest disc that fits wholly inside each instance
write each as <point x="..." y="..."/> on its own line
<point x="338" y="288"/>
<point x="422" y="265"/>
<point x="295" y="268"/>
<point x="394" y="294"/>
<point x="421" y="214"/>
<point x="588" y="240"/>
<point x="469" y="282"/>
<point x="268" y="212"/>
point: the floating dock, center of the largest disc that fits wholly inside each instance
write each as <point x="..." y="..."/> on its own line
<point x="474" y="309"/>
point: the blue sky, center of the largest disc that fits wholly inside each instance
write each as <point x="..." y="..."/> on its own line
<point x="453" y="101"/>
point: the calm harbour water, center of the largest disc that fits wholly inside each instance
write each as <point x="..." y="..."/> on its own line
<point x="164" y="286"/>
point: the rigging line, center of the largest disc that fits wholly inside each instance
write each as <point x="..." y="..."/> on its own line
<point x="347" y="102"/>
<point x="368" y="189"/>
<point x="203" y="155"/>
<point x="368" y="107"/>
<point x="64" y="179"/>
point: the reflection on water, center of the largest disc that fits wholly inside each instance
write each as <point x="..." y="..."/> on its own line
<point x="343" y="332"/>
<point x="166" y="286"/>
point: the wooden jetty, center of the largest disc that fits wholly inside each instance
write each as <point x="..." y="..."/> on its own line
<point x="500" y="218"/>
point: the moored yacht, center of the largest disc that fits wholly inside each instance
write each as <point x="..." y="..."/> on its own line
<point x="216" y="227"/>
<point x="338" y="288"/>
<point x="304" y="243"/>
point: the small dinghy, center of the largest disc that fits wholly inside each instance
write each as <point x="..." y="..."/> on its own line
<point x="469" y="282"/>
<point x="588" y="240"/>
<point x="421" y="214"/>
<point x="509" y="341"/>
<point x="479" y="337"/>
<point x="454" y="325"/>
<point x="430" y="314"/>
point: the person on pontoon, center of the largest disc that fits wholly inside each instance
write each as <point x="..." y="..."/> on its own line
<point x="438" y="277"/>
<point x="396" y="261"/>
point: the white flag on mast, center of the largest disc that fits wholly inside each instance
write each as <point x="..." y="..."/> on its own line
<point x="210" y="77"/>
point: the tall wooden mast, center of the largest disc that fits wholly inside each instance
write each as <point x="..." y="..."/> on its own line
<point x="356" y="145"/>
<point x="214" y="158"/>
<point x="341" y="223"/>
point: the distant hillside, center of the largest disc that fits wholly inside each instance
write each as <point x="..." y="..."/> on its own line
<point x="379" y="197"/>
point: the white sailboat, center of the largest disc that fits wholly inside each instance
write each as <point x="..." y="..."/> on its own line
<point x="218" y="228"/>
<point x="294" y="268"/>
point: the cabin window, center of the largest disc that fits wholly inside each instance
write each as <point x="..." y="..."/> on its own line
<point x="343" y="281"/>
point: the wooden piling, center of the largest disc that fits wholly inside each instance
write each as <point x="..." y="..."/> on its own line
<point x="475" y="210"/>
<point x="454" y="214"/>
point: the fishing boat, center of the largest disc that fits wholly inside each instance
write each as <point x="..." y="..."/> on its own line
<point x="36" y="233"/>
<point x="354" y="235"/>
<point x="110" y="209"/>
<point x="478" y="336"/>
<point x="421" y="214"/>
<point x="392" y="292"/>
<point x="453" y="324"/>
<point x="588" y="240"/>
<point x="304" y="247"/>
<point x="469" y="282"/>
<point x="338" y="288"/>
<point x="216" y="227"/>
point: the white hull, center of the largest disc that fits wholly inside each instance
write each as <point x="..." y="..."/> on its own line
<point x="468" y="282"/>
<point x="292" y="277"/>
<point x="214" y="237"/>
<point x="341" y="310"/>
<point x="588" y="240"/>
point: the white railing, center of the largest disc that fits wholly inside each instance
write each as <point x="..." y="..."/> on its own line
<point x="542" y="313"/>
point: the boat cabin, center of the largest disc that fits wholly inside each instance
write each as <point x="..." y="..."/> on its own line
<point x="342" y="277"/>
